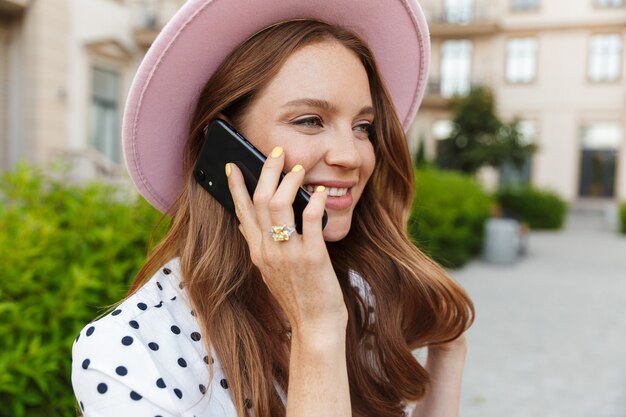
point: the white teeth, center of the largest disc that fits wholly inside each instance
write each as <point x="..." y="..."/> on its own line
<point x="332" y="191"/>
<point x="337" y="192"/>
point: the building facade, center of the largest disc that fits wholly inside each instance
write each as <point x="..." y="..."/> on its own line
<point x="65" y="69"/>
<point x="556" y="65"/>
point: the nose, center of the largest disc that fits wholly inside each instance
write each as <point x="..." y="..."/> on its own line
<point x="343" y="149"/>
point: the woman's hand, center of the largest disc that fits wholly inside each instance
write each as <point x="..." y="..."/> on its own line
<point x="298" y="272"/>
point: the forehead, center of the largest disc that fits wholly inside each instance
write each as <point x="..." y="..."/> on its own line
<point x="325" y="70"/>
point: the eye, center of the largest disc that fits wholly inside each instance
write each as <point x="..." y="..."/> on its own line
<point x="365" y="127"/>
<point x="309" y="121"/>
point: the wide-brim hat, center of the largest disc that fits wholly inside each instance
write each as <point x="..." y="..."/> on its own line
<point x="193" y="44"/>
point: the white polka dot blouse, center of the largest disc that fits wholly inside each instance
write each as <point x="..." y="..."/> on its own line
<point x="147" y="358"/>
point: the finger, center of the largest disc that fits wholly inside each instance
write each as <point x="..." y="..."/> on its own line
<point x="281" y="204"/>
<point x="244" y="209"/>
<point x="312" y="216"/>
<point x="266" y="186"/>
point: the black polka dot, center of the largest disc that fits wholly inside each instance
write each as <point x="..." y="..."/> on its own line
<point x="133" y="324"/>
<point x="182" y="362"/>
<point x="142" y="306"/>
<point x="224" y="384"/>
<point x="160" y="383"/>
<point x="127" y="340"/>
<point x="153" y="346"/>
<point x="175" y="329"/>
<point x="195" y="336"/>
<point x="135" y="396"/>
<point x="90" y="331"/>
<point x="86" y="363"/>
<point x="173" y="298"/>
<point x="159" y="285"/>
<point x="116" y="312"/>
<point x="121" y="370"/>
<point x="178" y="393"/>
<point x="181" y="285"/>
<point x="159" y="305"/>
<point x="166" y="271"/>
<point x="206" y="360"/>
<point x="247" y="403"/>
<point x="193" y="313"/>
<point x="82" y="406"/>
<point x="102" y="388"/>
<point x="77" y="336"/>
<point x="202" y="389"/>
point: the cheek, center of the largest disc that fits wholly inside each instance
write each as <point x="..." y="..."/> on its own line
<point x="368" y="159"/>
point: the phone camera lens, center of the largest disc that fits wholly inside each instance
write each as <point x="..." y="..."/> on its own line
<point x="200" y="176"/>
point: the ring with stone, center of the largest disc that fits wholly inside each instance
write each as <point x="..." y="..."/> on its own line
<point x="282" y="233"/>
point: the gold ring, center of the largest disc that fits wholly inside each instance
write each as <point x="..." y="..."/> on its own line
<point x="282" y="233"/>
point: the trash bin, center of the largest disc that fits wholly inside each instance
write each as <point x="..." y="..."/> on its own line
<point x="502" y="241"/>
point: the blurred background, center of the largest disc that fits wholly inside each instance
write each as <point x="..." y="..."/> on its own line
<point x="520" y="164"/>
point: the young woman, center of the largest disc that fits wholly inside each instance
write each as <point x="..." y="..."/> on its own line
<point x="232" y="316"/>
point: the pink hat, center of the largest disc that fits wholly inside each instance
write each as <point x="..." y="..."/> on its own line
<point x="194" y="42"/>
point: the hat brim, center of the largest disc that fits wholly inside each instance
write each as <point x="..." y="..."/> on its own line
<point x="193" y="44"/>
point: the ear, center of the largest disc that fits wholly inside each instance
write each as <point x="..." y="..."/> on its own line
<point x="222" y="116"/>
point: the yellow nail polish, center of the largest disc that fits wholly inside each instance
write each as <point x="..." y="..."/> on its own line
<point x="297" y="168"/>
<point x="276" y="152"/>
<point x="227" y="168"/>
<point x="320" y="188"/>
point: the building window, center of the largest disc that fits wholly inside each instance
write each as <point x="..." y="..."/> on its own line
<point x="521" y="60"/>
<point x="458" y="11"/>
<point x="609" y="3"/>
<point x="524" y="4"/>
<point x="105" y="131"/>
<point x="456" y="63"/>
<point x="605" y="56"/>
<point x="599" y="155"/>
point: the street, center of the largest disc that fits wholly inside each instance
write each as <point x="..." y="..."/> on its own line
<point x="549" y="338"/>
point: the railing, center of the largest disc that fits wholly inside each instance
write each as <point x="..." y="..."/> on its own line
<point x="153" y="14"/>
<point x="149" y="16"/>
<point x="451" y="87"/>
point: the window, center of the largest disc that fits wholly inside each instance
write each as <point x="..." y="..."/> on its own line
<point x="609" y="3"/>
<point x="456" y="62"/>
<point x="104" y="134"/>
<point x="605" y="56"/>
<point x="602" y="136"/>
<point x="458" y="11"/>
<point x="524" y="4"/>
<point x="521" y="60"/>
<point x="442" y="129"/>
<point x="599" y="155"/>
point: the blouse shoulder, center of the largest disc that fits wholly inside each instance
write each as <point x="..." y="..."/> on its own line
<point x="147" y="357"/>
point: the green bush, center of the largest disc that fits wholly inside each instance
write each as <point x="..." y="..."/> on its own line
<point x="68" y="253"/>
<point x="622" y="215"/>
<point x="448" y="216"/>
<point x="540" y="209"/>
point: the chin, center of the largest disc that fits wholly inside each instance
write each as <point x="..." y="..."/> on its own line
<point x="336" y="229"/>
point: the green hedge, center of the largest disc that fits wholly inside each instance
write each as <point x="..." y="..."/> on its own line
<point x="622" y="216"/>
<point x="540" y="209"/>
<point x="448" y="216"/>
<point x="68" y="252"/>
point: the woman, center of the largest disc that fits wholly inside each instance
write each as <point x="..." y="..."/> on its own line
<point x="227" y="318"/>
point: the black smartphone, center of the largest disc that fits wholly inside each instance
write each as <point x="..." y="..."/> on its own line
<point x="223" y="144"/>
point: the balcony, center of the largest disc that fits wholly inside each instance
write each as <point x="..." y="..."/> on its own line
<point x="479" y="20"/>
<point x="11" y="8"/>
<point x="149" y="17"/>
<point x="438" y="93"/>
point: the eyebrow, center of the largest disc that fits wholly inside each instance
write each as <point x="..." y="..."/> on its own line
<point x="324" y="105"/>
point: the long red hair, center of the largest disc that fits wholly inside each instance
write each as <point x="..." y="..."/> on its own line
<point x="416" y="301"/>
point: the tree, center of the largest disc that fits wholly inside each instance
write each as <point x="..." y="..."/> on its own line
<point x="479" y="138"/>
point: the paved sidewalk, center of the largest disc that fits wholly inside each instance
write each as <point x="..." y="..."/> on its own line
<point x="549" y="338"/>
